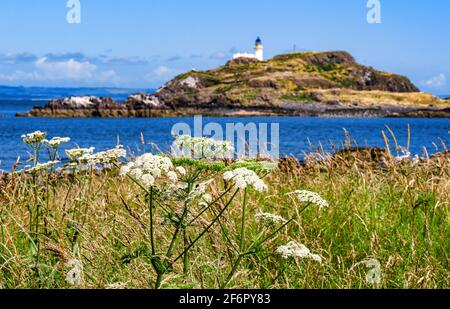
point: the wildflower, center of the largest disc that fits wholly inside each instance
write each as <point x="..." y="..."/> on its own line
<point x="201" y="148"/>
<point x="310" y="197"/>
<point x="76" y="153"/>
<point x="103" y="157"/>
<point x="173" y="177"/>
<point x="148" y="180"/>
<point x="56" y="141"/>
<point x="295" y="250"/>
<point x="74" y="276"/>
<point x="35" y="137"/>
<point x="181" y="170"/>
<point x="173" y="190"/>
<point x="42" y="167"/>
<point x="148" y="167"/>
<point x="270" y="219"/>
<point x="244" y="177"/>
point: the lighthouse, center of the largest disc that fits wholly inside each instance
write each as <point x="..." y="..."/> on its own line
<point x="259" y="50"/>
<point x="258" y="54"/>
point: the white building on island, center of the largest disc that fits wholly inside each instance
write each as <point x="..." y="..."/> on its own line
<point x="258" y="55"/>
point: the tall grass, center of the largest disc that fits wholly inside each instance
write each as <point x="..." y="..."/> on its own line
<point x="90" y="228"/>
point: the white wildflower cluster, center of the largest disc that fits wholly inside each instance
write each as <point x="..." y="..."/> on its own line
<point x="311" y="197"/>
<point x="35" y="137"/>
<point x="270" y="219"/>
<point x="201" y="148"/>
<point x="295" y="250"/>
<point x="244" y="177"/>
<point x="74" y="276"/>
<point x="56" y="142"/>
<point x="103" y="157"/>
<point x="76" y="153"/>
<point x="148" y="167"/>
<point x="41" y="167"/>
<point x="181" y="170"/>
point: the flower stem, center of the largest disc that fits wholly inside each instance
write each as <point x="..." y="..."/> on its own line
<point x="152" y="241"/>
<point x="158" y="282"/>
<point x="241" y="244"/>
<point x="242" y="237"/>
<point x="186" y="254"/>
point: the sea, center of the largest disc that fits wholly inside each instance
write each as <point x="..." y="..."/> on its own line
<point x="297" y="135"/>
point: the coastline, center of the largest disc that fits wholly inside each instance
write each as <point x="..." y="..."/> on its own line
<point x="306" y="110"/>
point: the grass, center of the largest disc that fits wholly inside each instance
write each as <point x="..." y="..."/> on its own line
<point x="376" y="97"/>
<point x="301" y="97"/>
<point x="395" y="213"/>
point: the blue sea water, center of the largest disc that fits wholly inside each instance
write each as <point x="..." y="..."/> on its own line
<point x="295" y="132"/>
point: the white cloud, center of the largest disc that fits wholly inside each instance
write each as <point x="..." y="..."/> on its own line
<point x="437" y="81"/>
<point x="70" y="70"/>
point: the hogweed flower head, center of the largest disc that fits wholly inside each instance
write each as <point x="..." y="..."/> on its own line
<point x="148" y="167"/>
<point x="56" y="142"/>
<point x="295" y="250"/>
<point x="76" y="153"/>
<point x="41" y="167"/>
<point x="103" y="157"/>
<point x="270" y="219"/>
<point x="310" y="197"/>
<point x="181" y="170"/>
<point x="244" y="178"/>
<point x="34" y="137"/>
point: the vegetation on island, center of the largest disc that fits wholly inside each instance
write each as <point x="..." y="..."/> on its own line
<point x="305" y="84"/>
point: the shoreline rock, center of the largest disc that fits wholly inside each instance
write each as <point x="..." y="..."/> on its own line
<point x="312" y="110"/>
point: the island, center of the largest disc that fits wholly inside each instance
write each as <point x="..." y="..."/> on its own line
<point x="316" y="84"/>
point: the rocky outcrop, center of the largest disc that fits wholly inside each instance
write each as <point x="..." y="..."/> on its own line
<point x="143" y="101"/>
<point x="87" y="102"/>
<point x="308" y="84"/>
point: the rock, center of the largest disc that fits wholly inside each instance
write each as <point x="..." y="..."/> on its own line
<point x="143" y="101"/>
<point x="191" y="82"/>
<point x="241" y="61"/>
<point x="81" y="103"/>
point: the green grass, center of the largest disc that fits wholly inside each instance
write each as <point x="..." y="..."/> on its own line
<point x="397" y="215"/>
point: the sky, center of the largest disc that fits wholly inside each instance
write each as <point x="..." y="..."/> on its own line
<point x="144" y="43"/>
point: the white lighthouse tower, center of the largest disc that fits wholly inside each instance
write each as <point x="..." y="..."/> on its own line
<point x="258" y="55"/>
<point x="259" y="50"/>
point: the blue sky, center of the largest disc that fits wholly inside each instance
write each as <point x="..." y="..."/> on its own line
<point x="143" y="43"/>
